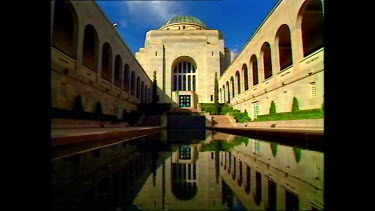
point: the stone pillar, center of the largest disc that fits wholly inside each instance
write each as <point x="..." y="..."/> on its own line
<point x="122" y="70"/>
<point x="260" y="62"/>
<point x="280" y="197"/>
<point x="99" y="62"/>
<point x="79" y="46"/>
<point x="304" y="204"/>
<point x="112" y="68"/>
<point x="275" y="57"/>
<point x="52" y="16"/>
<point x="297" y="44"/>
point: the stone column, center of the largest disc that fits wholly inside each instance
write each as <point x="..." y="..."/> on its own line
<point x="275" y="57"/>
<point x="297" y="44"/>
<point x="280" y="197"/>
<point x="52" y="16"/>
<point x="79" y="46"/>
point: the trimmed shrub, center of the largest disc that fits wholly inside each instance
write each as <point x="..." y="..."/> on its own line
<point x="272" y="108"/>
<point x="78" y="107"/>
<point x="295" y="105"/>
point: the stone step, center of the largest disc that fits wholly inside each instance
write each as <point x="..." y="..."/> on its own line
<point x="220" y="120"/>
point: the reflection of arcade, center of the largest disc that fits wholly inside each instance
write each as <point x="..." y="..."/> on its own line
<point x="102" y="179"/>
<point x="184" y="173"/>
<point x="268" y="176"/>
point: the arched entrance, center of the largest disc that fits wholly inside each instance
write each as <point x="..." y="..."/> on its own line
<point x="184" y="79"/>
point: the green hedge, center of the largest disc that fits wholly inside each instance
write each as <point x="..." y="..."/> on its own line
<point x="222" y="145"/>
<point x="301" y="114"/>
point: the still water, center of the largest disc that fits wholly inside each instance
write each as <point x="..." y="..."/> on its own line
<point x="188" y="170"/>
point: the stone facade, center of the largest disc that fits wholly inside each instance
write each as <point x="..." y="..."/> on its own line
<point x="282" y="60"/>
<point x="89" y="59"/>
<point x="181" y="42"/>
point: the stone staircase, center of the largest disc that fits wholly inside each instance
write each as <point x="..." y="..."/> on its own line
<point x="220" y="121"/>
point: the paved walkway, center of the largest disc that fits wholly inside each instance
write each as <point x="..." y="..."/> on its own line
<point x="62" y="137"/>
<point x="67" y="142"/>
<point x="69" y="136"/>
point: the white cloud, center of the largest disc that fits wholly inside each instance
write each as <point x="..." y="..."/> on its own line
<point x="153" y="13"/>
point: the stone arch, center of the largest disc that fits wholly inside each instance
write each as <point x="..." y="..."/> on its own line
<point x="118" y="65"/>
<point x="310" y="20"/>
<point x="184" y="74"/>
<point x="267" y="60"/>
<point x="284" y="45"/>
<point x="228" y="92"/>
<point x="254" y="67"/>
<point x="65" y="28"/>
<point x="132" y="83"/>
<point x="245" y="77"/>
<point x="238" y="82"/>
<point x="126" y="78"/>
<point x="138" y="88"/>
<point x="90" y="48"/>
<point x="107" y="62"/>
<point x="232" y="85"/>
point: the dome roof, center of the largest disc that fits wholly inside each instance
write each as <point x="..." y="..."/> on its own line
<point x="184" y="19"/>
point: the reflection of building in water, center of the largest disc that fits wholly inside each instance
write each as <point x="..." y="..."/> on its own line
<point x="188" y="180"/>
<point x="269" y="176"/>
<point x="102" y="179"/>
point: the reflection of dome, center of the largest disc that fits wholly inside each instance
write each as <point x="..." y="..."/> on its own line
<point x="184" y="21"/>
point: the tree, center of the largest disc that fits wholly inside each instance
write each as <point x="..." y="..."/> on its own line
<point x="155" y="96"/>
<point x="78" y="107"/>
<point x="98" y="109"/>
<point x="273" y="108"/>
<point x="295" y="105"/>
<point x="216" y="109"/>
<point x="124" y="115"/>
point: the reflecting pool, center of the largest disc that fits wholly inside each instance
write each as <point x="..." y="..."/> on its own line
<point x="189" y="170"/>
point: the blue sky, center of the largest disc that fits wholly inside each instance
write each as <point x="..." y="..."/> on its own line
<point x="237" y="19"/>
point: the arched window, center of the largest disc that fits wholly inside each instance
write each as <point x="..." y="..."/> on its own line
<point x="245" y="77"/>
<point x="228" y="93"/>
<point x="285" y="49"/>
<point x="146" y="94"/>
<point x="184" y="76"/>
<point x="90" y="48"/>
<point x="142" y="91"/>
<point x="138" y="88"/>
<point x="224" y="95"/>
<point x="272" y="195"/>
<point x="248" y="179"/>
<point x="258" y="188"/>
<point x="267" y="63"/>
<point x="238" y="80"/>
<point x="132" y="83"/>
<point x="126" y="78"/>
<point x="232" y="85"/>
<point x="65" y="28"/>
<point x="118" y="65"/>
<point x="311" y="19"/>
<point x="107" y="62"/>
<point x="254" y="65"/>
